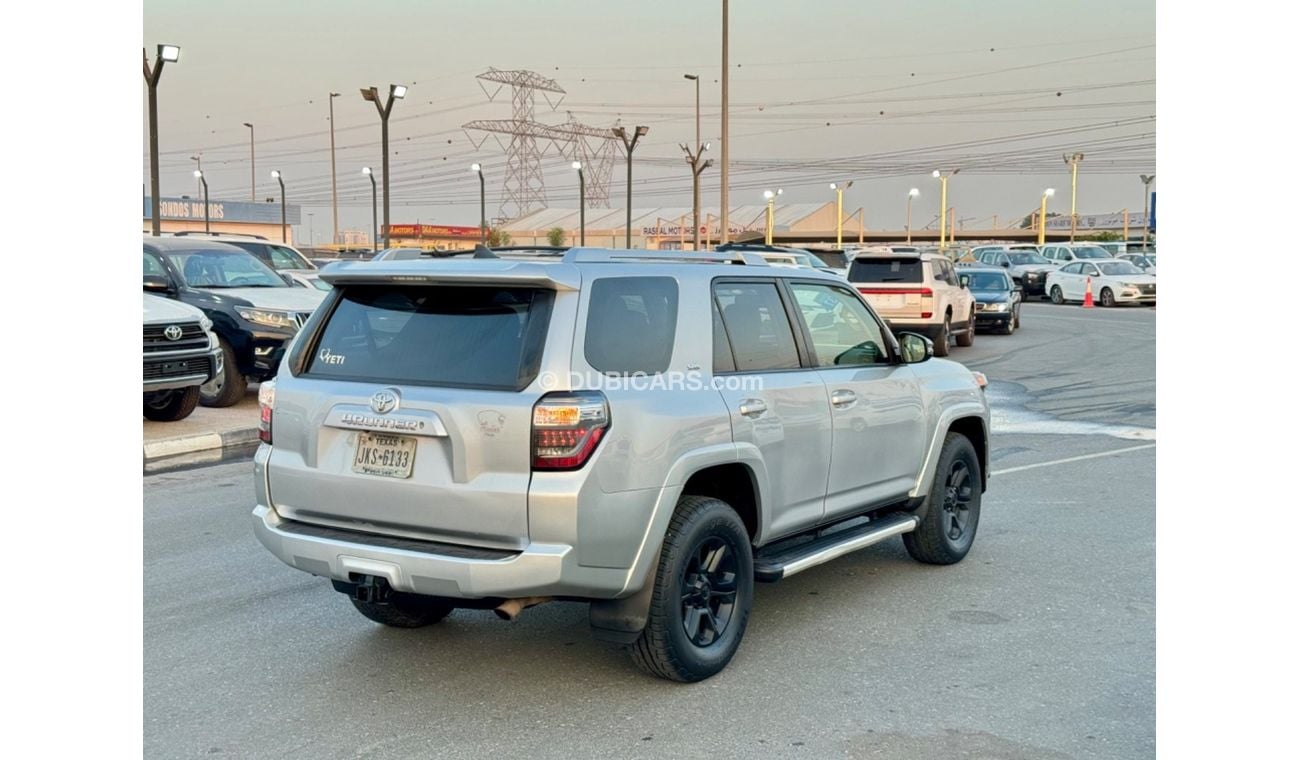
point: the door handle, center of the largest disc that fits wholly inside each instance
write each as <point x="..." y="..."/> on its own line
<point x="752" y="407"/>
<point x="843" y="399"/>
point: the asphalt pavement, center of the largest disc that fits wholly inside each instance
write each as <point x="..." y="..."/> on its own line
<point x="1040" y="645"/>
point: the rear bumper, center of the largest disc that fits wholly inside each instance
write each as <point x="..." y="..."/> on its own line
<point x="930" y="330"/>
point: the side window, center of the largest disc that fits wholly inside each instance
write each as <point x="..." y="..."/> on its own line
<point x="1002" y="259"/>
<point x="756" y="326"/>
<point x="153" y="266"/>
<point x="936" y="266"/>
<point x="631" y="323"/>
<point x="284" y="258"/>
<point x="723" y="361"/>
<point x="1090" y="270"/>
<point x="843" y="331"/>
<point x="1072" y="268"/>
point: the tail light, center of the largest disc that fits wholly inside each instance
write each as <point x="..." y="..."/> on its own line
<point x="567" y="426"/>
<point x="266" y="403"/>
<point x="927" y="303"/>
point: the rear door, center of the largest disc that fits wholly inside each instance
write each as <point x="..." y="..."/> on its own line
<point x="1071" y="280"/>
<point x="411" y="412"/>
<point x="895" y="286"/>
<point x="776" y="402"/>
<point x="875" y="405"/>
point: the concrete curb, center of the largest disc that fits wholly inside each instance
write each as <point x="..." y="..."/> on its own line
<point x="203" y="448"/>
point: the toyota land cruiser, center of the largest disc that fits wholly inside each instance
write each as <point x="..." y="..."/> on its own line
<point x="498" y="432"/>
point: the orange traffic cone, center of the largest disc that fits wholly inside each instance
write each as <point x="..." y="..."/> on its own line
<point x="1087" y="295"/>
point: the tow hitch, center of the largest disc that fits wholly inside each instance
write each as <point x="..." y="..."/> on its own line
<point x="369" y="589"/>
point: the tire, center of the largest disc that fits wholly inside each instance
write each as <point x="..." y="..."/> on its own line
<point x="1107" y="297"/>
<point x="678" y="642"/>
<point x="406" y="610"/>
<point x="941" y="340"/>
<point x="967" y="339"/>
<point x="230" y="387"/>
<point x="1015" y="319"/>
<point x="950" y="510"/>
<point x="169" y="406"/>
<point x="1057" y="298"/>
<point x="1008" y="327"/>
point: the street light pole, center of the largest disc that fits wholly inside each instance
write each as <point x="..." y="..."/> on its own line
<point x="694" y="159"/>
<point x="166" y="54"/>
<point x="1042" y="217"/>
<point x="1073" y="162"/>
<point x="284" y="228"/>
<point x="334" y="177"/>
<point x="252" y="156"/>
<point x="311" y="230"/>
<point x="910" y="195"/>
<point x="839" y="189"/>
<point x="582" y="204"/>
<point x="207" y="215"/>
<point x="482" y="203"/>
<point x="771" y="216"/>
<point x="630" y="145"/>
<point x="1147" y="179"/>
<point x="724" y="234"/>
<point x="395" y="92"/>
<point x="374" y="209"/>
<point x="199" y="160"/>
<point x="943" y="204"/>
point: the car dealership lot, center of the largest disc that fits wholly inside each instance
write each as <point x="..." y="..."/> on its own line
<point x="1041" y="644"/>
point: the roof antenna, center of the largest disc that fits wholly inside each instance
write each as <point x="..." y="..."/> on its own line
<point x="483" y="252"/>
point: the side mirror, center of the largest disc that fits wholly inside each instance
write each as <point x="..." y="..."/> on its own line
<point x="965" y="281"/>
<point x="915" y="348"/>
<point x="287" y="279"/>
<point x="155" y="283"/>
<point x="1006" y="265"/>
<point x="1018" y="294"/>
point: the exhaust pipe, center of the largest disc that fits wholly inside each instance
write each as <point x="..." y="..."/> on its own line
<point x="511" y="608"/>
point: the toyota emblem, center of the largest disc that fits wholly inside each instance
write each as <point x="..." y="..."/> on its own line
<point x="173" y="332"/>
<point x="385" y="401"/>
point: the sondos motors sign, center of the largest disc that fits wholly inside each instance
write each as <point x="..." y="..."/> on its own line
<point x="190" y="210"/>
<point x="225" y="211"/>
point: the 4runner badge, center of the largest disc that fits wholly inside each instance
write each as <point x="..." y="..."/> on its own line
<point x="385" y="401"/>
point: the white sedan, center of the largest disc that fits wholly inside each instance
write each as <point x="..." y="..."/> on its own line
<point x="1113" y="282"/>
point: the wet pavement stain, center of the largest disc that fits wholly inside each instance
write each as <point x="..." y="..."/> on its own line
<point x="1009" y="414"/>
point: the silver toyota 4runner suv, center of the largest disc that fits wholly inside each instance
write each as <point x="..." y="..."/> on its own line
<point x="505" y="430"/>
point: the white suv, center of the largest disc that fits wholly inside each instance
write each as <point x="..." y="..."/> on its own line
<point x="1065" y="253"/>
<point x="916" y="292"/>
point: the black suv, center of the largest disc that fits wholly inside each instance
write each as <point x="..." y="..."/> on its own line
<point x="997" y="298"/>
<point x="277" y="256"/>
<point x="254" y="310"/>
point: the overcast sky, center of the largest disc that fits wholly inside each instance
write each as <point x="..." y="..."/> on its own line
<point x="820" y="91"/>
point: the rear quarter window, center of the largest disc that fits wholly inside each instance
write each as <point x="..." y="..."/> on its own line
<point x="631" y="322"/>
<point x="458" y="336"/>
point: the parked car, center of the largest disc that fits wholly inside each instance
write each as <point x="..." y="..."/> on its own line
<point x="1113" y="282"/>
<point x="307" y="279"/>
<point x="402" y="254"/>
<point x="1063" y="253"/>
<point x="254" y="310"/>
<point x="1028" y="269"/>
<point x="1144" y="261"/>
<point x="180" y="354"/>
<point x="278" y="256"/>
<point x="452" y="460"/>
<point x="997" y="298"/>
<point x="917" y="292"/>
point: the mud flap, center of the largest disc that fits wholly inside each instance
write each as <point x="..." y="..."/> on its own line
<point x="620" y="621"/>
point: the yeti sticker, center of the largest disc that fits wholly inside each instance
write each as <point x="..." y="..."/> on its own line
<point x="490" y="422"/>
<point x="329" y="357"/>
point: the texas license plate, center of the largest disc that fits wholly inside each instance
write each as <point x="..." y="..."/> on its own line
<point x="391" y="456"/>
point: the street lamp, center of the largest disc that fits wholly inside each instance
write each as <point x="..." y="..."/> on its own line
<point x="1147" y="179"/>
<point x="630" y="146"/>
<point x="910" y="195"/>
<point x="697" y="168"/>
<point x="374" y="209"/>
<point x="724" y="232"/>
<point x="1073" y="162"/>
<point x="943" y="204"/>
<point x="482" y="203"/>
<point x="284" y="228"/>
<point x="207" y="216"/>
<point x="311" y="230"/>
<point x="839" y="188"/>
<point x="1042" y="217"/>
<point x="199" y="160"/>
<point x="582" y="204"/>
<point x="252" y="156"/>
<point x="166" y="54"/>
<point x="395" y="92"/>
<point x="771" y="217"/>
<point x="334" y="180"/>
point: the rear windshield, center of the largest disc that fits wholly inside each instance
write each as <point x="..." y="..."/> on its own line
<point x="886" y="269"/>
<point x="459" y="336"/>
<point x="834" y="259"/>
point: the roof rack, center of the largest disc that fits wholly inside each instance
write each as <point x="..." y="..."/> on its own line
<point x="187" y="233"/>
<point x="605" y="255"/>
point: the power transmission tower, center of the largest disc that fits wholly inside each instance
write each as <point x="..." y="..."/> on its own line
<point x="524" y="188"/>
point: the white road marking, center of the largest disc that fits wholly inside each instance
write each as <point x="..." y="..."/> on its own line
<point x="1070" y="459"/>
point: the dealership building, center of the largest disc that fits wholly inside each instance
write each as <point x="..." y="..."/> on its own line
<point x="243" y="217"/>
